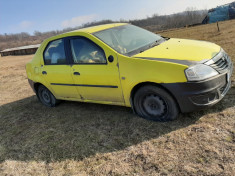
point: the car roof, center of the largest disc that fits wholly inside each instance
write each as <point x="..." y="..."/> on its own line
<point x="87" y="30"/>
<point x="99" y="27"/>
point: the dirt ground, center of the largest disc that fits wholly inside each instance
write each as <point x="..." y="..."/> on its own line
<point x="91" y="139"/>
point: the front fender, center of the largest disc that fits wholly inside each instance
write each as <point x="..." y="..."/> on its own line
<point x="134" y="71"/>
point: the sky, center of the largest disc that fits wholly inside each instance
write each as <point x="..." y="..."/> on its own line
<point x="44" y="15"/>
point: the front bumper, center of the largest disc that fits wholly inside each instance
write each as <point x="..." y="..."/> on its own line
<point x="193" y="96"/>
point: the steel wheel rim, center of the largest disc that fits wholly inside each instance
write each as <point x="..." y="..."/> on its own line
<point x="154" y="105"/>
<point x="45" y="96"/>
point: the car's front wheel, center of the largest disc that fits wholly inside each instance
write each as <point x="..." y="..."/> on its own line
<point x="46" y="97"/>
<point x="154" y="103"/>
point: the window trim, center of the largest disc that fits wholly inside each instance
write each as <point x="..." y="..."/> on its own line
<point x="66" y="55"/>
<point x="71" y="55"/>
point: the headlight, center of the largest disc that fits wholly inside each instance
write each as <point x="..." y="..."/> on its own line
<point x="200" y="72"/>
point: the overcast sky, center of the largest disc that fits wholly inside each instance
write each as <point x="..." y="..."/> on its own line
<point x="44" y="15"/>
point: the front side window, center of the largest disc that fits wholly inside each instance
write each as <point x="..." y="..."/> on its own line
<point x="85" y="51"/>
<point x="54" y="53"/>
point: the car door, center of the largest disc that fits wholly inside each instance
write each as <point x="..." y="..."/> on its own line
<point x="95" y="78"/>
<point x="56" y="70"/>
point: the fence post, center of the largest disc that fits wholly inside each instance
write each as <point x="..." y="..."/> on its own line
<point x="218" y="26"/>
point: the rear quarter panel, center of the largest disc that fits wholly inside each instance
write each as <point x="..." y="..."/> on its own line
<point x="33" y="68"/>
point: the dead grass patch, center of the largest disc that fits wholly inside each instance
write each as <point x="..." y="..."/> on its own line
<point x="91" y="139"/>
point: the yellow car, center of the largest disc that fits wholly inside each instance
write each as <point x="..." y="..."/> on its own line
<point x="122" y="64"/>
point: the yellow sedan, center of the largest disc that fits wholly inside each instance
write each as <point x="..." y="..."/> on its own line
<point x="121" y="64"/>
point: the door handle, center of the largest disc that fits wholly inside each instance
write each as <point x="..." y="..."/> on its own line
<point x="76" y="73"/>
<point x="44" y="72"/>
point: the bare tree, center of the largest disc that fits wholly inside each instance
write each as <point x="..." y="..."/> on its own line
<point x="154" y="23"/>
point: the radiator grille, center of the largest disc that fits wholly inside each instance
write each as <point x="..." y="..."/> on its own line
<point x="222" y="64"/>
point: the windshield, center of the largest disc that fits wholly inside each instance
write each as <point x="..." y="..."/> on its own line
<point x="128" y="39"/>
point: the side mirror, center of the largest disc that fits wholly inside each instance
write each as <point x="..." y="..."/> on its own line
<point x="110" y="58"/>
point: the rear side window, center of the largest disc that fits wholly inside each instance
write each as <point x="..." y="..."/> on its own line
<point x="85" y="51"/>
<point x="54" y="53"/>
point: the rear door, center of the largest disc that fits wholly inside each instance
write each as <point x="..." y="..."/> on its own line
<point x="56" y="70"/>
<point x="95" y="78"/>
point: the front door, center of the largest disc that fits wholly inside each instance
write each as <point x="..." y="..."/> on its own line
<point x="95" y="78"/>
<point x="57" y="72"/>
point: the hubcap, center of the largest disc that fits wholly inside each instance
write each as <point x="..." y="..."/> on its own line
<point x="154" y="105"/>
<point x="46" y="96"/>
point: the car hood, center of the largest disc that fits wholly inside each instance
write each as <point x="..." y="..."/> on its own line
<point x="181" y="49"/>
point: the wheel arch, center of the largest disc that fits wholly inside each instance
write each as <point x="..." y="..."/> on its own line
<point x="37" y="84"/>
<point x="142" y="84"/>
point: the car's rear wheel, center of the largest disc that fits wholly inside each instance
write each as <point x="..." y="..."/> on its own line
<point x="46" y="97"/>
<point x="154" y="103"/>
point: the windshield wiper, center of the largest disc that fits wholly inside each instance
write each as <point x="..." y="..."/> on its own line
<point x="150" y="46"/>
<point x="156" y="43"/>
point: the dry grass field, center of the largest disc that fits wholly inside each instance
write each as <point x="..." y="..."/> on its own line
<point x="91" y="139"/>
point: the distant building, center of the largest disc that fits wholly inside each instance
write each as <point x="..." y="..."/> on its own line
<point x="23" y="50"/>
<point x="220" y="13"/>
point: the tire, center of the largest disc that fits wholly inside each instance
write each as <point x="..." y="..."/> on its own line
<point x="46" y="97"/>
<point x="154" y="103"/>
